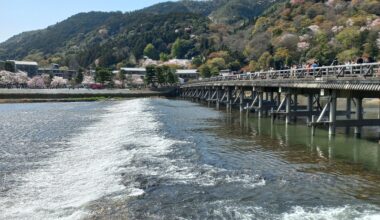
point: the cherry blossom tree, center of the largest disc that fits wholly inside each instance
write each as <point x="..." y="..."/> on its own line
<point x="36" y="82"/>
<point x="58" y="82"/>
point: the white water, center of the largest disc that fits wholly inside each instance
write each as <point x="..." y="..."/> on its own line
<point x="87" y="170"/>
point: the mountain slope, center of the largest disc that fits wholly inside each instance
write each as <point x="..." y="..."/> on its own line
<point x="110" y="38"/>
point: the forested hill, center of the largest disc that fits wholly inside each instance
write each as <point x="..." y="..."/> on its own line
<point x="254" y="34"/>
<point x="120" y="38"/>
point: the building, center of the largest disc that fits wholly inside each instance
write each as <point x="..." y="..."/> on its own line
<point x="134" y="71"/>
<point x="184" y="74"/>
<point x="54" y="70"/>
<point x="31" y="68"/>
<point x="187" y="74"/>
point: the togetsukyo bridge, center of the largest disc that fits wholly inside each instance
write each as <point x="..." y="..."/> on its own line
<point x="277" y="93"/>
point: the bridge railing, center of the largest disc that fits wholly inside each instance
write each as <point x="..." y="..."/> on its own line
<point x="366" y="70"/>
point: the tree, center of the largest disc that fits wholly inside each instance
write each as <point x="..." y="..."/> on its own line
<point x="214" y="71"/>
<point x="205" y="71"/>
<point x="103" y="75"/>
<point x="261" y="25"/>
<point x="180" y="48"/>
<point x="164" y="57"/>
<point x="160" y="74"/>
<point x="349" y="37"/>
<point x="122" y="76"/>
<point x="218" y="62"/>
<point x="234" y="66"/>
<point x="79" y="77"/>
<point x="36" y="83"/>
<point x="151" y="52"/>
<point x="197" y="61"/>
<point x="281" y="58"/>
<point x="348" y="55"/>
<point x="253" y="66"/>
<point x="265" y="61"/>
<point x="171" y="77"/>
<point x="9" y="66"/>
<point x="150" y="75"/>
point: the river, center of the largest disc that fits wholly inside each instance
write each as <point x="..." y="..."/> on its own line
<point x="172" y="159"/>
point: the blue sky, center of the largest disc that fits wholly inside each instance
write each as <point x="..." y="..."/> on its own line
<point x="17" y="16"/>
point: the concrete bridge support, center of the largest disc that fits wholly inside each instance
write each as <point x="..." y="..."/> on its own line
<point x="359" y="116"/>
<point x="260" y="107"/>
<point x="309" y="107"/>
<point x="288" y="107"/>
<point x="348" y="112"/>
<point x="332" y="117"/>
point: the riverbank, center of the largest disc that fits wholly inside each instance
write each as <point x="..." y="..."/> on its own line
<point x="91" y="99"/>
<point x="77" y="95"/>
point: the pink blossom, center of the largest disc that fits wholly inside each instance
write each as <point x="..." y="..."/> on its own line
<point x="58" y="82"/>
<point x="36" y="82"/>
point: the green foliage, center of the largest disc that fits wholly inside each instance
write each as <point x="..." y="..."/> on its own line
<point x="348" y="55"/>
<point x="170" y="75"/>
<point x="122" y="75"/>
<point x="162" y="75"/>
<point x="103" y="75"/>
<point x="234" y="66"/>
<point x="197" y="61"/>
<point x="218" y="63"/>
<point x="281" y="58"/>
<point x="151" y="52"/>
<point x="79" y="77"/>
<point x="214" y="71"/>
<point x="265" y="61"/>
<point x="164" y="57"/>
<point x="253" y="66"/>
<point x="349" y="37"/>
<point x="150" y="75"/>
<point x="9" y="66"/>
<point x="205" y="71"/>
<point x="181" y="48"/>
<point x="261" y="25"/>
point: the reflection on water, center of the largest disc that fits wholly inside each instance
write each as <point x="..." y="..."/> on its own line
<point x="339" y="155"/>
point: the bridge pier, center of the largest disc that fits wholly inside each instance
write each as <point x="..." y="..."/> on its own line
<point x="332" y="117"/>
<point x="359" y="116"/>
<point x="241" y="99"/>
<point x="348" y="114"/>
<point x="309" y="107"/>
<point x="295" y="106"/>
<point x="288" y="107"/>
<point x="228" y="104"/>
<point x="260" y="107"/>
<point x="217" y="98"/>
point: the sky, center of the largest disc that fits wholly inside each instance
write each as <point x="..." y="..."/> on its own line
<point x="17" y="16"/>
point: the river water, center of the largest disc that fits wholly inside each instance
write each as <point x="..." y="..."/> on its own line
<point x="173" y="159"/>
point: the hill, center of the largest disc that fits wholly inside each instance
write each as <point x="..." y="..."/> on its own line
<point x="253" y="34"/>
<point x="120" y="38"/>
<point x="301" y="30"/>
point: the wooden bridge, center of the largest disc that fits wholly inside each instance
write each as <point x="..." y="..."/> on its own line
<point x="276" y="93"/>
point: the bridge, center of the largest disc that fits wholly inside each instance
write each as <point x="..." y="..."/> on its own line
<point x="277" y="93"/>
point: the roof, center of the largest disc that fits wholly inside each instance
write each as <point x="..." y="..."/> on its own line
<point x="133" y="69"/>
<point x="25" y="63"/>
<point x="190" y="71"/>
